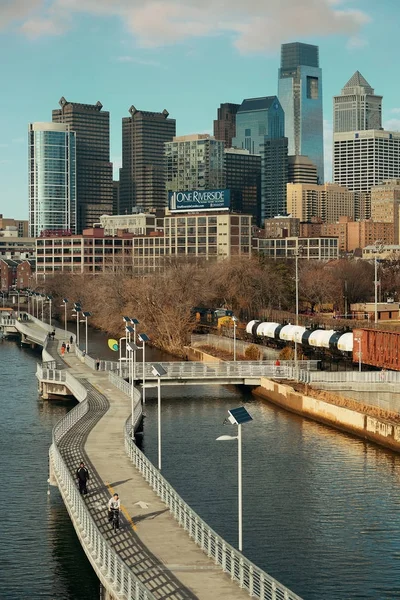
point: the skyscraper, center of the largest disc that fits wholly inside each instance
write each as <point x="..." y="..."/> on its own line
<point x="274" y="177"/>
<point x="142" y="177"/>
<point x="52" y="178"/>
<point x="243" y="179"/>
<point x="255" y="119"/>
<point x="194" y="162"/>
<point x="300" y="94"/>
<point x="365" y="158"/>
<point x="225" y="124"/>
<point x="357" y="108"/>
<point x="94" y="188"/>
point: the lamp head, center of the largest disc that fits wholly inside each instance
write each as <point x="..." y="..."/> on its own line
<point x="143" y="337"/>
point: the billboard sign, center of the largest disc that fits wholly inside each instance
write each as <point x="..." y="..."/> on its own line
<point x="199" y="200"/>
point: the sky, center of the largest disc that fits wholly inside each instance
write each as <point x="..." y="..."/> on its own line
<point x="187" y="56"/>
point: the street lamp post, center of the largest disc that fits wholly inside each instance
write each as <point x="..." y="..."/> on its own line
<point x="50" y="299"/>
<point x="86" y="314"/>
<point x="78" y="309"/>
<point x="296" y="256"/>
<point x="158" y="371"/>
<point x="134" y="323"/>
<point x="238" y="416"/>
<point x="42" y="297"/>
<point x="378" y="248"/>
<point x="235" y="320"/>
<point x="65" y="302"/>
<point x="132" y="347"/>
<point x="144" y="338"/>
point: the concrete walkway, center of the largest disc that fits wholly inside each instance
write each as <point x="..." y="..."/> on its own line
<point x="150" y="541"/>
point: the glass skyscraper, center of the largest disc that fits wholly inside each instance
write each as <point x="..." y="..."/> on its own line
<point x="300" y="94"/>
<point x="52" y="178"/>
<point x="255" y="119"/>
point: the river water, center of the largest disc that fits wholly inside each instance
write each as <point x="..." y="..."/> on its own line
<point x="321" y="509"/>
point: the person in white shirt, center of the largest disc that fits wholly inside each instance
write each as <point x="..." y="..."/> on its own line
<point x="114" y="503"/>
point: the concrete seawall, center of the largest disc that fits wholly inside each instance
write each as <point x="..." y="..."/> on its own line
<point x="375" y="429"/>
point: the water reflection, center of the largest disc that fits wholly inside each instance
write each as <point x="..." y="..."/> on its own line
<point x="321" y="508"/>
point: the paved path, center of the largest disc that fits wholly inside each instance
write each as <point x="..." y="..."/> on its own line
<point x="150" y="541"/>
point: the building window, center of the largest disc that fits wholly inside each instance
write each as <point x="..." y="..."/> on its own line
<point x="247" y="132"/>
<point x="312" y="88"/>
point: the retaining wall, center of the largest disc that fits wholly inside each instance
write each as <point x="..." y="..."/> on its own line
<point x="374" y="429"/>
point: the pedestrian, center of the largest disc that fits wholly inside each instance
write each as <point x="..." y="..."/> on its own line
<point x="82" y="474"/>
<point x="53" y="334"/>
<point x="62" y="350"/>
<point x="97" y="364"/>
<point x="71" y="340"/>
<point x="68" y="347"/>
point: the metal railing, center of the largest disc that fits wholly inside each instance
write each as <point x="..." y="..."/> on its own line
<point x="350" y="376"/>
<point x="111" y="570"/>
<point x="125" y="387"/>
<point x="214" y="370"/>
<point x="250" y="577"/>
<point x="37" y="334"/>
<point x="44" y="374"/>
<point x="88" y="360"/>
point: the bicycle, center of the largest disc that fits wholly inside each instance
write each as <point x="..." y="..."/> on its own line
<point x="115" y="518"/>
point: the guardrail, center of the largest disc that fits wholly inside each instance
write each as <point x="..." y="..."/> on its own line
<point x="350" y="376"/>
<point x="111" y="570"/>
<point x="88" y="360"/>
<point x="44" y="374"/>
<point x="125" y="387"/>
<point x="250" y="577"/>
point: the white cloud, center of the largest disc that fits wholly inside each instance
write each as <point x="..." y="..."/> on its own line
<point x="138" y="61"/>
<point x="328" y="149"/>
<point x="392" y="125"/>
<point x="356" y="43"/>
<point x="256" y="26"/>
<point x="395" y="111"/>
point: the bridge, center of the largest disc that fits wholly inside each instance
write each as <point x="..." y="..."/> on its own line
<point x="164" y="549"/>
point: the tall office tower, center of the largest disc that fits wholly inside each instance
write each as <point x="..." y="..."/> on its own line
<point x="116" y="210"/>
<point x="225" y="124"/>
<point x="300" y="94"/>
<point x="274" y="177"/>
<point x="243" y="179"/>
<point x="142" y="177"/>
<point x="327" y="201"/>
<point x="301" y="170"/>
<point x="256" y="118"/>
<point x="385" y="204"/>
<point x="357" y="108"/>
<point x="365" y="158"/>
<point x="194" y="162"/>
<point x="52" y="178"/>
<point x="94" y="196"/>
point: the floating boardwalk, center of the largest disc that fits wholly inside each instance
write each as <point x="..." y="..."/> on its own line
<point x="152" y="556"/>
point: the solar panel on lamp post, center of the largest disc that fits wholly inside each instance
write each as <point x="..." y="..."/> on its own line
<point x="144" y="338"/>
<point x="158" y="371"/>
<point x="238" y="416"/>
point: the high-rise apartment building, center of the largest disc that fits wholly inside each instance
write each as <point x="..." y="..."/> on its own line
<point x="300" y="94"/>
<point x="52" y="178"/>
<point x="194" y="162"/>
<point x="243" y="179"/>
<point x="301" y="170"/>
<point x="357" y="108"/>
<point x="385" y="203"/>
<point x="94" y="193"/>
<point x="255" y="119"/>
<point x="116" y="210"/>
<point x="328" y="201"/>
<point x="274" y="177"/>
<point x="365" y="158"/>
<point x="142" y="177"/>
<point x="225" y="124"/>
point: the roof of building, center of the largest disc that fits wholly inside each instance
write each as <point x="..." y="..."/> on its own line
<point x="264" y="103"/>
<point x="358" y="80"/>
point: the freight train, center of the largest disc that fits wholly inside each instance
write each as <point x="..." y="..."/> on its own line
<point x="374" y="347"/>
<point x="327" y="341"/>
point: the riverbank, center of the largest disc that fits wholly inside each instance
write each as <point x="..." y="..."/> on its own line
<point x="334" y="410"/>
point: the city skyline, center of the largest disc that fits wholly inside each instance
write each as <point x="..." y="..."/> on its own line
<point x="102" y="59"/>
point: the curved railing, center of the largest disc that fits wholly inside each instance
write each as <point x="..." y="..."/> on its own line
<point x="250" y="577"/>
<point x="111" y="570"/>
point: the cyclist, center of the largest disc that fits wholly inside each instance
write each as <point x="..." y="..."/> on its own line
<point x="114" y="504"/>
